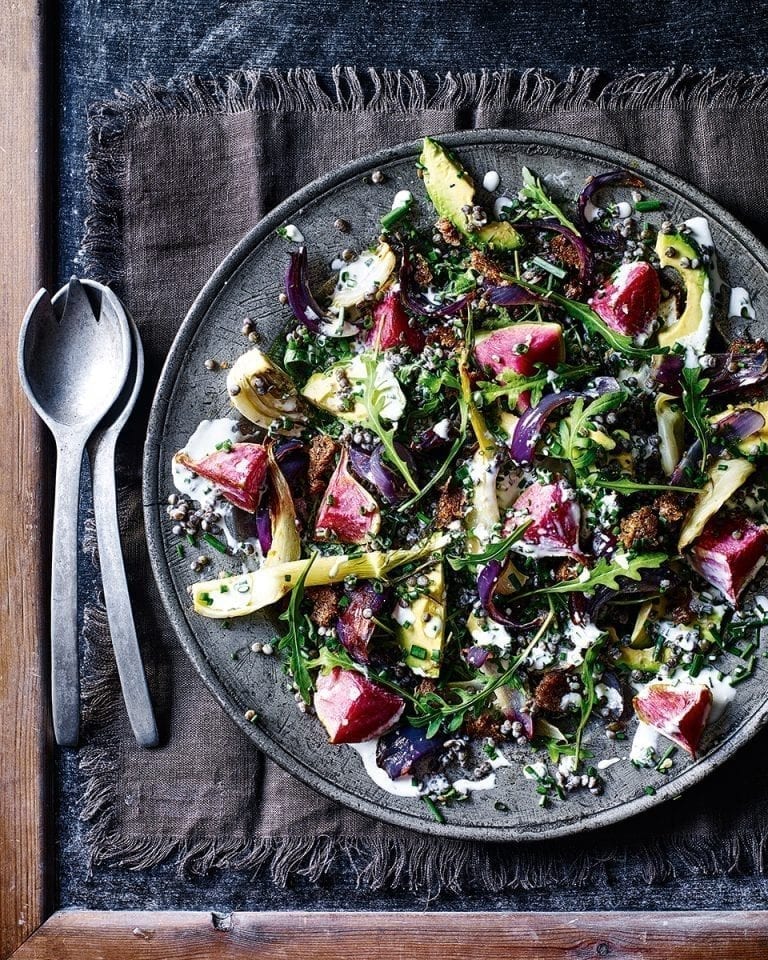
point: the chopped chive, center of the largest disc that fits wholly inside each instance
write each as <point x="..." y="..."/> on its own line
<point x="418" y="652"/>
<point x="430" y="803"/>
<point x="179" y="551"/>
<point x="667" y="755"/>
<point x="696" y="664"/>
<point x="215" y="542"/>
<point x="741" y="673"/>
<point x="423" y="517"/>
<point x="649" y="791"/>
<point x="435" y="655"/>
<point x="749" y="650"/>
<point x="395" y="216"/>
<point x="646" y="206"/>
<point x="550" y="267"/>
<point x="542" y="789"/>
<point x="205" y="598"/>
<point x="192" y="540"/>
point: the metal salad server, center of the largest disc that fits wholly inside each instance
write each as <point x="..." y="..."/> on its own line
<point x="72" y="367"/>
<point x="101" y="451"/>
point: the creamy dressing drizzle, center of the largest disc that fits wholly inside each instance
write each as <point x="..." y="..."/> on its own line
<point x="403" y="786"/>
<point x="491" y="180"/>
<point x="740" y="304"/>
<point x="293" y="233"/>
<point x="402" y="197"/>
<point x="202" y="443"/>
<point x="699" y="229"/>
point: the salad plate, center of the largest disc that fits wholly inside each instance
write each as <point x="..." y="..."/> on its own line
<point x="546" y="773"/>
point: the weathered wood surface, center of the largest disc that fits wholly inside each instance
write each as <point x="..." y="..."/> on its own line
<point x="399" y="936"/>
<point x="22" y="619"/>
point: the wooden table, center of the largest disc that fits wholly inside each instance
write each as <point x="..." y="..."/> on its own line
<point x="29" y="928"/>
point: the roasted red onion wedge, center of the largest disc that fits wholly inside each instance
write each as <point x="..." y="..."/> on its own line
<point x="399" y="750"/>
<point x="556" y="515"/>
<point x="629" y="302"/>
<point x="729" y="553"/>
<point x="356" y="624"/>
<point x="352" y="708"/>
<point x="392" y="327"/>
<point x="347" y="511"/>
<point x="677" y="710"/>
<point x="239" y="473"/>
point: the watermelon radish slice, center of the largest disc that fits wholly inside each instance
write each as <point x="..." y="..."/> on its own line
<point x="677" y="710"/>
<point x="629" y="302"/>
<point x="347" y="511"/>
<point x="518" y="348"/>
<point x="352" y="708"/>
<point x="238" y="473"/>
<point x="729" y="553"/>
<point x="392" y="326"/>
<point x="555" y="516"/>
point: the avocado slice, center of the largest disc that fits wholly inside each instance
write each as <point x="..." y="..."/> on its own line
<point x="693" y="326"/>
<point x="450" y="188"/>
<point x="640" y="659"/>
<point x="339" y="390"/>
<point x="421" y="626"/>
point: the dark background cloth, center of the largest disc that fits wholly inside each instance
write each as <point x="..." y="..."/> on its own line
<point x="112" y="43"/>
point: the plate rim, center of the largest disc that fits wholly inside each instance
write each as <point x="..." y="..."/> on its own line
<point x="152" y="503"/>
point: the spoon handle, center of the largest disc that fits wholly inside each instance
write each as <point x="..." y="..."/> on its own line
<point x="116" y="596"/>
<point x="65" y="679"/>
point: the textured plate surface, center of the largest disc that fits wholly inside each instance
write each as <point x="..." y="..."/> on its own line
<point x="248" y="283"/>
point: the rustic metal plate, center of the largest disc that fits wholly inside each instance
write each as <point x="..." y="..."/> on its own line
<point x="248" y="283"/>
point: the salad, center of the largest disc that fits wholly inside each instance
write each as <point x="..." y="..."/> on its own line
<point x="501" y="481"/>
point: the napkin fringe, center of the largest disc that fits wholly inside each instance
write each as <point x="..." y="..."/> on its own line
<point x="353" y="89"/>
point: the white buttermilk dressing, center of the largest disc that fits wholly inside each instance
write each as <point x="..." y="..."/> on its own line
<point x="401" y="787"/>
<point x="582" y="636"/>
<point x="442" y="428"/>
<point x="293" y="233"/>
<point x="740" y="304"/>
<point x="402" y="197"/>
<point x="623" y="210"/>
<point x="362" y="275"/>
<point x="699" y="230"/>
<point x="608" y="762"/>
<point x="487" y="783"/>
<point x="202" y="443"/>
<point x="500" y="204"/>
<point x="722" y="692"/>
<point x="491" y="180"/>
<point x="644" y="743"/>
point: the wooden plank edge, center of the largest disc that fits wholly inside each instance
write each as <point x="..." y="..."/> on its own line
<point x="145" y="935"/>
<point x="24" y="876"/>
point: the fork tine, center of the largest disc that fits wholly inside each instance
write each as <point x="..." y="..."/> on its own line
<point x="76" y="302"/>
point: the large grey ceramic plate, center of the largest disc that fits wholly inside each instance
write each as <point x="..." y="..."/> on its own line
<point x="248" y="283"/>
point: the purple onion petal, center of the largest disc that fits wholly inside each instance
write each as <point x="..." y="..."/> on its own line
<point x="476" y="656"/>
<point x="487" y="581"/>
<point x="529" y="427"/>
<point x="615" y="178"/>
<point x="263" y="525"/>
<point x="750" y="362"/>
<point x="371" y="467"/>
<point x="512" y="295"/>
<point x="355" y="630"/>
<point x="400" y="749"/>
<point x="417" y="303"/>
<point x="302" y="302"/>
<point x="577" y="242"/>
<point x="736" y="426"/>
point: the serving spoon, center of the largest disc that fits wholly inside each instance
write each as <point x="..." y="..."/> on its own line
<point x="101" y="450"/>
<point x="72" y="367"/>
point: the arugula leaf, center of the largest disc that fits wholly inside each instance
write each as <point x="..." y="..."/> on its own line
<point x="374" y="399"/>
<point x="441" y="471"/>
<point x="589" y="696"/>
<point x="578" y="447"/>
<point x="541" y="203"/>
<point x="695" y="407"/>
<point x="625" y="485"/>
<point x="493" y="552"/>
<point x="516" y="383"/>
<point x="291" y="644"/>
<point x="605" y="573"/>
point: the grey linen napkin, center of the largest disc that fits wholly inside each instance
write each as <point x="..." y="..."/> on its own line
<point x="177" y="175"/>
